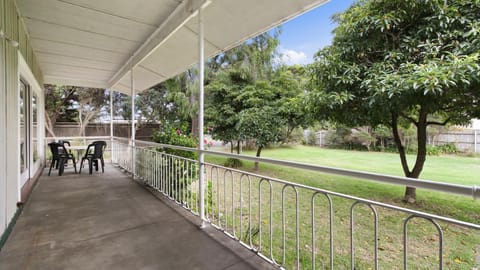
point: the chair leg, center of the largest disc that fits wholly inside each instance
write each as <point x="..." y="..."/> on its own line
<point x="103" y="165"/>
<point x="90" y="166"/>
<point x="61" y="167"/>
<point x="51" y="165"/>
<point x="74" y="164"/>
<point x="81" y="165"/>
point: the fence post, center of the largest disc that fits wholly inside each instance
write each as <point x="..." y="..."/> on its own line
<point x="475" y="141"/>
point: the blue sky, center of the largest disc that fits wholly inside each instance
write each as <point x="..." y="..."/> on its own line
<point x="303" y="36"/>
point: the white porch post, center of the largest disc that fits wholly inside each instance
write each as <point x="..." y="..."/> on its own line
<point x="200" y="115"/>
<point x="111" y="126"/>
<point x="132" y="141"/>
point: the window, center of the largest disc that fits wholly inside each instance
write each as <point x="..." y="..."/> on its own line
<point x="35" y="130"/>
<point x="23" y="102"/>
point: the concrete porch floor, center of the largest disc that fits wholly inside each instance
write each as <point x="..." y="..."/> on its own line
<point x="107" y="221"/>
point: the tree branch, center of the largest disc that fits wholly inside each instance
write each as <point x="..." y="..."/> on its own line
<point x="438" y="123"/>
<point x="409" y="118"/>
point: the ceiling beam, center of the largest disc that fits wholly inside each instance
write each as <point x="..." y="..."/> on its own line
<point x="184" y="11"/>
<point x="62" y="80"/>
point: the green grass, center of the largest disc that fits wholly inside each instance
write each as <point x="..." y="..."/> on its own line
<point x="447" y="169"/>
<point x="451" y="169"/>
<point x="460" y="244"/>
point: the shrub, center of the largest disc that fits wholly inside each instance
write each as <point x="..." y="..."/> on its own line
<point x="448" y="148"/>
<point x="433" y="150"/>
<point x="180" y="173"/>
<point x="312" y="137"/>
<point x="172" y="136"/>
<point x="233" y="163"/>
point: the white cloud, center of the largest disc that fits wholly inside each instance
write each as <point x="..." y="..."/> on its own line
<point x="292" y="57"/>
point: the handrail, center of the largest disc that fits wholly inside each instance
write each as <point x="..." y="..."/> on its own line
<point x="77" y="137"/>
<point x="470" y="191"/>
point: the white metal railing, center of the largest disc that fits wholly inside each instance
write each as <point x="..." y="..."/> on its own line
<point x="298" y="226"/>
<point x="122" y="154"/>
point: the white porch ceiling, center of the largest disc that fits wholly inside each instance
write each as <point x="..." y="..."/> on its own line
<point x="95" y="43"/>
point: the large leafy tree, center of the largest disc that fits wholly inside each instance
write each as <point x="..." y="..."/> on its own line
<point x="223" y="106"/>
<point x="230" y="77"/>
<point x="57" y="106"/>
<point x="395" y="62"/>
<point x="89" y="102"/>
<point x="292" y="81"/>
<point x="72" y="104"/>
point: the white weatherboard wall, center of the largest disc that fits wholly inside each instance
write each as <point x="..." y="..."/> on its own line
<point x="12" y="166"/>
<point x="3" y="143"/>
<point x="14" y="29"/>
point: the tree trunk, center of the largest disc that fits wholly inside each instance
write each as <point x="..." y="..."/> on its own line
<point x="403" y="158"/>
<point x="259" y="150"/>
<point x="195" y="130"/>
<point x="194" y="122"/>
<point x="231" y="147"/>
<point x="410" y="192"/>
<point x="49" y="125"/>
<point x="239" y="145"/>
<point x="80" y="122"/>
<point x="288" y="134"/>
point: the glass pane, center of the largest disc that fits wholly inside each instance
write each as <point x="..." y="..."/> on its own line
<point x="23" y="141"/>
<point x="34" y="127"/>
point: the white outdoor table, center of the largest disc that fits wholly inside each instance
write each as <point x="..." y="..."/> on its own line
<point x="79" y="149"/>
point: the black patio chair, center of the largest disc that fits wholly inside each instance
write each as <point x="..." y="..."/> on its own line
<point x="66" y="143"/>
<point x="94" y="154"/>
<point x="60" y="156"/>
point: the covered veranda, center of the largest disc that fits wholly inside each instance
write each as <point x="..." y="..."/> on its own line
<point x="108" y="220"/>
<point x="123" y="46"/>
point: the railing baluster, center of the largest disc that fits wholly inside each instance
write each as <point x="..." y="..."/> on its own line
<point x="330" y="203"/>
<point x="352" y="251"/>
<point x="297" y="234"/>
<point x="270" y="216"/>
<point x="405" y="240"/>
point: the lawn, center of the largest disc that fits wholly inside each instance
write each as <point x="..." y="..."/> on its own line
<point x="450" y="169"/>
<point x="460" y="244"/>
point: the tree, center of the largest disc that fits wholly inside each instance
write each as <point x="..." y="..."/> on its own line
<point x="229" y="75"/>
<point x="401" y="61"/>
<point x="57" y="105"/>
<point x="89" y="102"/>
<point x="262" y="125"/>
<point x="224" y="107"/>
<point x="182" y="94"/>
<point x="292" y="81"/>
<point x="382" y="133"/>
<point x="259" y="119"/>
